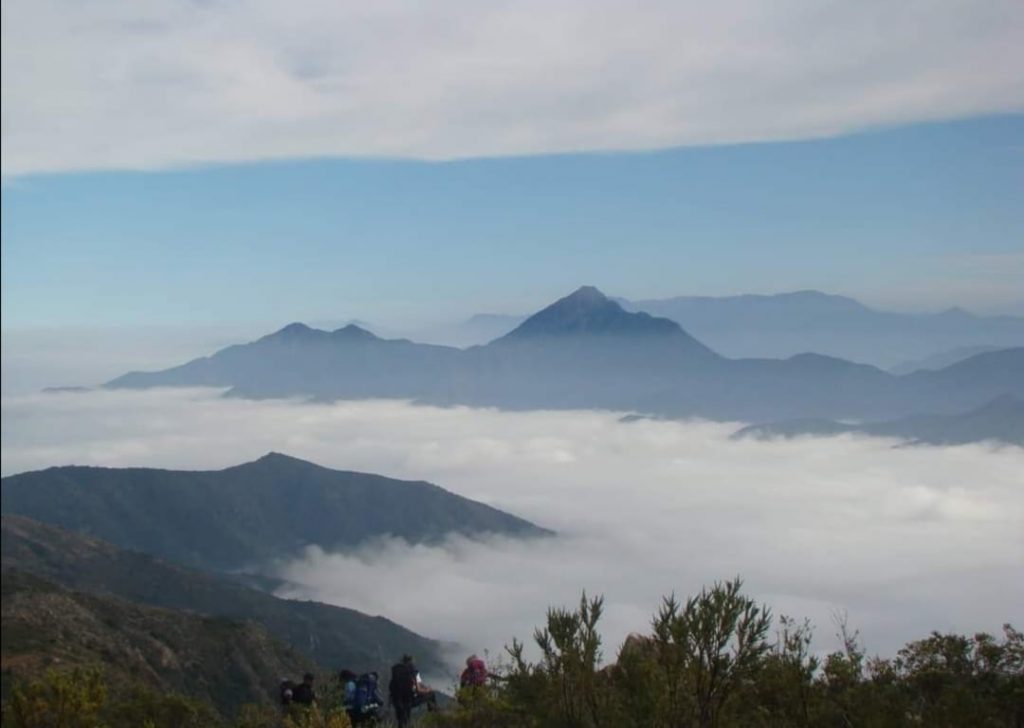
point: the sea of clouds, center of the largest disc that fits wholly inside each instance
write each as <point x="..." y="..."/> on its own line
<point x="902" y="540"/>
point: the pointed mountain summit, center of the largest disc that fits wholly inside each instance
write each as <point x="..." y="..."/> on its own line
<point x="588" y="312"/>
<point x="353" y="332"/>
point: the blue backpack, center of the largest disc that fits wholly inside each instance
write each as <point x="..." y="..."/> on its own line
<point x="367" y="699"/>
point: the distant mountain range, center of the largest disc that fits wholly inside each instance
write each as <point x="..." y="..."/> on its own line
<point x="781" y="325"/>
<point x="331" y="636"/>
<point x="941" y="360"/>
<point x="999" y="421"/>
<point x="587" y="351"/>
<point x="225" y="663"/>
<point x="247" y="516"/>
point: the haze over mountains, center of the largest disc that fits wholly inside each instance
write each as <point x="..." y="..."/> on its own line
<point x="999" y="421"/>
<point x="587" y="351"/>
<point x="785" y="324"/>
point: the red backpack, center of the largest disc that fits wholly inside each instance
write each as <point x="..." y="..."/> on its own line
<point x="475" y="674"/>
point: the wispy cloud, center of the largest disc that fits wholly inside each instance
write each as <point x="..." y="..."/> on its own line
<point x="117" y="84"/>
<point x="905" y="540"/>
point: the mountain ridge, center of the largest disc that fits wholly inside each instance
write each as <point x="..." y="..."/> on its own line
<point x="247" y="516"/>
<point x="585" y="351"/>
<point x="1000" y="421"/>
<point x="332" y="636"/>
<point x="778" y="325"/>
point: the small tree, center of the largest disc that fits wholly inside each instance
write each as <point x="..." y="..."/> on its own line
<point x="784" y="691"/>
<point x="571" y="649"/>
<point x="707" y="648"/>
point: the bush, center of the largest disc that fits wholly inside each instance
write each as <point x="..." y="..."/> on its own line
<point x="709" y="663"/>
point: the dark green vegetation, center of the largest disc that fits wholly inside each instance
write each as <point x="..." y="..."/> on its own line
<point x="248" y="516"/>
<point x="715" y="661"/>
<point x="94" y="698"/>
<point x="586" y="351"/>
<point x="220" y="662"/>
<point x="999" y="421"/>
<point x="331" y="636"/>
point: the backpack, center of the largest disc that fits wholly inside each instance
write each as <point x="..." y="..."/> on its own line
<point x="285" y="692"/>
<point x="475" y="674"/>
<point x="402" y="685"/>
<point x="366" y="698"/>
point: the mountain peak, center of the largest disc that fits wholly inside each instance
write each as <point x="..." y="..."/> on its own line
<point x="587" y="311"/>
<point x="295" y="331"/>
<point x="296" y="328"/>
<point x="353" y="331"/>
<point x="587" y="296"/>
<point x="277" y="458"/>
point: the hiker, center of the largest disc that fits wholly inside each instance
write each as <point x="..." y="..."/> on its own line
<point x="407" y="690"/>
<point x="475" y="675"/>
<point x="286" y="691"/>
<point x="303" y="693"/>
<point x="363" y="700"/>
<point x="347" y="679"/>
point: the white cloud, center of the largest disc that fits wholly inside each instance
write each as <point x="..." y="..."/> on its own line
<point x="904" y="540"/>
<point x="119" y="84"/>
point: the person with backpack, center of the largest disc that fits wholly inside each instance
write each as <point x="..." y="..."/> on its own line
<point x="402" y="689"/>
<point x="475" y="675"/>
<point x="286" y="693"/>
<point x="366" y="700"/>
<point x="407" y="691"/>
<point x="347" y="680"/>
<point x="303" y="693"/>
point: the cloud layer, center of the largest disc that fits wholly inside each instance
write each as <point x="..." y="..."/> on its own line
<point x="120" y="84"/>
<point x="904" y="540"/>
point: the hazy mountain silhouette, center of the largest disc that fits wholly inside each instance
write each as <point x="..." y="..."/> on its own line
<point x="785" y="324"/>
<point x="999" y="421"/>
<point x="244" y="517"/>
<point x="586" y="351"/>
<point x="941" y="359"/>
<point x="332" y="636"/>
<point x="588" y="312"/>
<point x="477" y="329"/>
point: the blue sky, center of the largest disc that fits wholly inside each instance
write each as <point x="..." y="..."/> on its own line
<point x="923" y="216"/>
<point x="403" y="162"/>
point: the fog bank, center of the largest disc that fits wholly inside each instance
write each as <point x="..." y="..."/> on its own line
<point x="905" y="540"/>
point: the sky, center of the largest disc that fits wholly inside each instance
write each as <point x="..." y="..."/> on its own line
<point x="902" y="540"/>
<point x="211" y="163"/>
<point x="916" y="218"/>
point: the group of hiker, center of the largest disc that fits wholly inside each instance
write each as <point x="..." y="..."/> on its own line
<point x="362" y="699"/>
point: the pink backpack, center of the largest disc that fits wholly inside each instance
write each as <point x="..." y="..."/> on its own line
<point x="475" y="673"/>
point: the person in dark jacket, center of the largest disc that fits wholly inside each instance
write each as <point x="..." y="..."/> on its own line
<point x="407" y="690"/>
<point x="303" y="693"/>
<point x="402" y="689"/>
